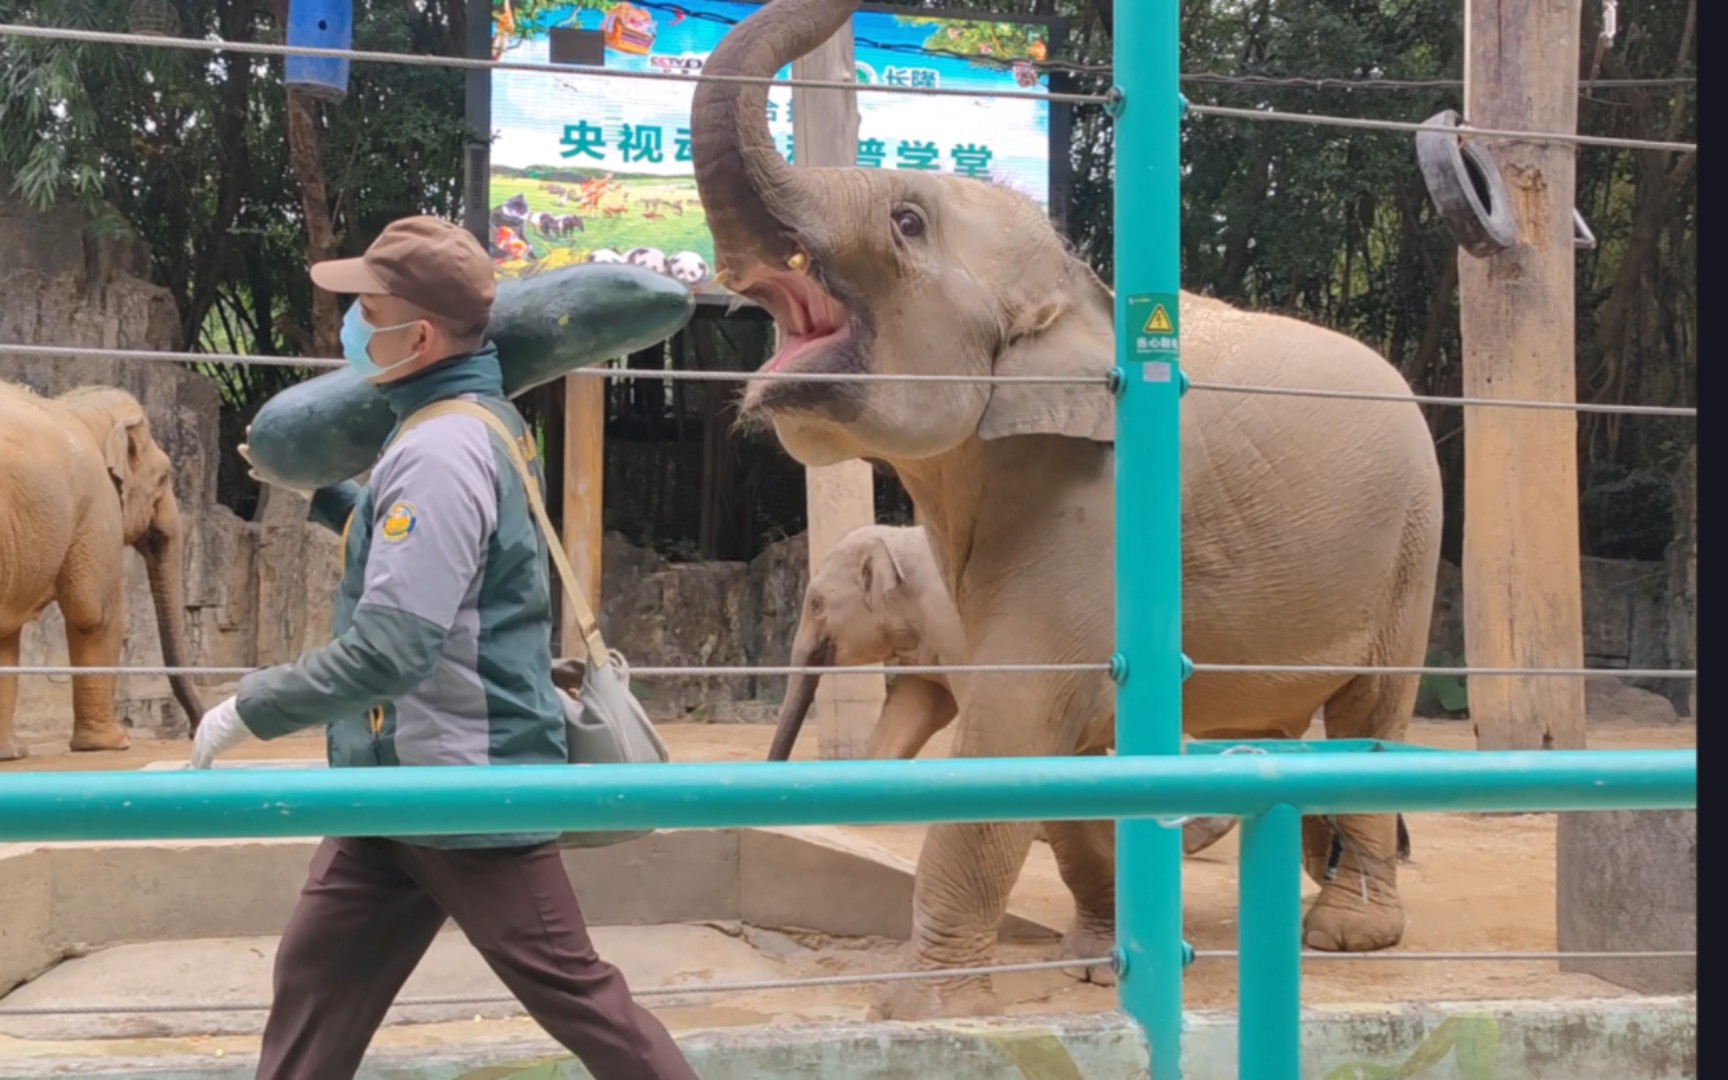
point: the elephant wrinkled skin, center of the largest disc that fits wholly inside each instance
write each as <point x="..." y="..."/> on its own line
<point x="1311" y="526"/>
<point x="80" y="479"/>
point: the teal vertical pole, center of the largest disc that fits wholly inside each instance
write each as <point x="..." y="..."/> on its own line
<point x="1149" y="506"/>
<point x="1269" y="937"/>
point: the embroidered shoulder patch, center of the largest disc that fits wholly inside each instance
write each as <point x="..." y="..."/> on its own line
<point x="399" y="522"/>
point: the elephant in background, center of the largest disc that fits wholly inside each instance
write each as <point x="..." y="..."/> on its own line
<point x="1311" y="526"/>
<point x="80" y="479"/>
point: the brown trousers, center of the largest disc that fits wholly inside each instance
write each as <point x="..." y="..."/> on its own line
<point x="369" y="912"/>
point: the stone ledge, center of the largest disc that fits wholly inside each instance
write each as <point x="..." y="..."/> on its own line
<point x="1616" y="1039"/>
<point x="80" y="896"/>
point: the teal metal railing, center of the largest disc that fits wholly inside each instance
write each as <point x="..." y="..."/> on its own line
<point x="1151" y="776"/>
<point x="1268" y="791"/>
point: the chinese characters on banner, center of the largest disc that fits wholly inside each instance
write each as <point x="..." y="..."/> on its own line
<point x="634" y="143"/>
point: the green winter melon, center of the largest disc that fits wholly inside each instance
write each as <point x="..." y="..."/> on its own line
<point x="332" y="427"/>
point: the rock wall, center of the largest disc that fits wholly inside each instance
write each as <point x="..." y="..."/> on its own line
<point x="253" y="591"/>
<point x="720" y="614"/>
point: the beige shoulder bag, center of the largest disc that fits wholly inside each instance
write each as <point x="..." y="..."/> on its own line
<point x="604" y="724"/>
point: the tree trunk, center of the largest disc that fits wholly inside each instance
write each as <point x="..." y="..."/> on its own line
<point x="321" y="237"/>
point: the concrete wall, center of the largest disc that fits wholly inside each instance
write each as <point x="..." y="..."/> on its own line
<point x="1622" y="1039"/>
<point x="63" y="899"/>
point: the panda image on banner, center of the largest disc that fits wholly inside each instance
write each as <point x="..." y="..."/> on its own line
<point x="688" y="268"/>
<point x="605" y="255"/>
<point x="652" y="258"/>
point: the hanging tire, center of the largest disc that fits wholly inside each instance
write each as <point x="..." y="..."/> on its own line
<point x="1466" y="187"/>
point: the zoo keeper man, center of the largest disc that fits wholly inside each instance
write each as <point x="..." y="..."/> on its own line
<point x="442" y="656"/>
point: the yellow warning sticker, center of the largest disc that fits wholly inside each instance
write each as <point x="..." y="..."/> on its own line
<point x="1156" y="315"/>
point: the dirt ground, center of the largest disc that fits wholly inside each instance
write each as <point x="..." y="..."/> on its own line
<point x="1475" y="883"/>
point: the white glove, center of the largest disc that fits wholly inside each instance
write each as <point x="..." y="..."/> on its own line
<point x="220" y="731"/>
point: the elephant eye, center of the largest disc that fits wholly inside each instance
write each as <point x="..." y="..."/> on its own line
<point x="909" y="223"/>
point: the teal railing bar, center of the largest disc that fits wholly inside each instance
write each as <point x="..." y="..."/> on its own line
<point x="1269" y="935"/>
<point x="1148" y="547"/>
<point x="237" y="803"/>
<point x="1313" y="746"/>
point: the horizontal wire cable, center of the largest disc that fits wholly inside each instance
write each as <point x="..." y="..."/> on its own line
<point x="1511" y="672"/>
<point x="106" y="37"/>
<point x="699" y="671"/>
<point x="755" y="985"/>
<point x="1310" y="82"/>
<point x="760" y="985"/>
<point x="1438" y="399"/>
<point x="466" y="63"/>
<point x="1468" y="957"/>
<point x="1203" y="78"/>
<point x="603" y="372"/>
<point x="161" y="356"/>
<point x="1459" y="129"/>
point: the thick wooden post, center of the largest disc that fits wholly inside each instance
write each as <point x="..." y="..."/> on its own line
<point x="839" y="498"/>
<point x="584" y="480"/>
<point x="1522" y="605"/>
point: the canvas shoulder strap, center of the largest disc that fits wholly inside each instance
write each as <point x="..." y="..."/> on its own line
<point x="593" y="644"/>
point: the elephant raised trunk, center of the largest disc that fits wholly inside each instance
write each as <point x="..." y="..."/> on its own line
<point x="800" y="694"/>
<point x="749" y="192"/>
<point x="160" y="547"/>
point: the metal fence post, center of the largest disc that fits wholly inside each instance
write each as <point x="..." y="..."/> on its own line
<point x="1269" y="935"/>
<point x="1148" y="552"/>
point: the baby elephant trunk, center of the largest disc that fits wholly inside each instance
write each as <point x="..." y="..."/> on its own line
<point x="800" y="693"/>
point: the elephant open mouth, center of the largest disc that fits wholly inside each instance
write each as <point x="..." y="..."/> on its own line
<point x="811" y="321"/>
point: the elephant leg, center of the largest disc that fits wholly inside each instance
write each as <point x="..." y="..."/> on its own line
<point x="916" y="709"/>
<point x="10" y="748"/>
<point x="1358" y="909"/>
<point x="95" y="627"/>
<point x="966" y="871"/>
<point x="1086" y="858"/>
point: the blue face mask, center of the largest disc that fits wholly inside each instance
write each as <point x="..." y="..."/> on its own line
<point x="357" y="342"/>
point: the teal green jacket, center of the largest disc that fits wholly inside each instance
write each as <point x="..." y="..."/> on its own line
<point x="442" y="649"/>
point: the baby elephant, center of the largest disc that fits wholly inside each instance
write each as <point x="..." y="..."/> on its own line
<point x="877" y="598"/>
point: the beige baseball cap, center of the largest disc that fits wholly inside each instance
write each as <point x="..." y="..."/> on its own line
<point x="433" y="264"/>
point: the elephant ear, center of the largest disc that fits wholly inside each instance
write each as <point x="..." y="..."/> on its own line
<point x="1072" y="333"/>
<point x="879" y="573"/>
<point x="120" y="449"/>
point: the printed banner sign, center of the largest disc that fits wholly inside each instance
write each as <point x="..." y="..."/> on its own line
<point x="586" y="168"/>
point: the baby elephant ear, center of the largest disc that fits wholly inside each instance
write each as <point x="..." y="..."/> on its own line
<point x="1073" y="335"/>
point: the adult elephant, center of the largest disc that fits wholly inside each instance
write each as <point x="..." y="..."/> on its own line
<point x="80" y="479"/>
<point x="1311" y="526"/>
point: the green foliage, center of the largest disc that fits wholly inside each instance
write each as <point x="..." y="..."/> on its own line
<point x="1449" y="692"/>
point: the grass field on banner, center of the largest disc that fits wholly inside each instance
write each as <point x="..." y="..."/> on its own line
<point x="649" y="211"/>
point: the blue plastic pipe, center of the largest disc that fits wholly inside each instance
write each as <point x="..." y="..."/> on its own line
<point x="530" y="798"/>
<point x="1269" y="969"/>
<point x="319" y="24"/>
<point x="1147" y="53"/>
